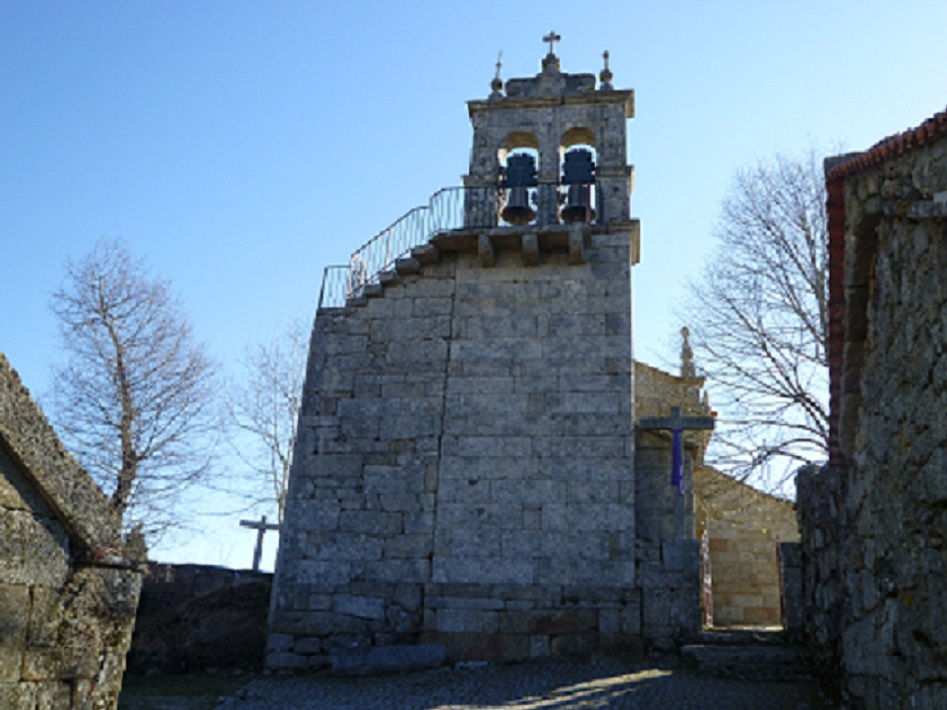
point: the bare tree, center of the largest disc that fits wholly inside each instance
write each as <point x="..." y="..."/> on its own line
<point x="133" y="400"/>
<point x="266" y="408"/>
<point x="759" y="319"/>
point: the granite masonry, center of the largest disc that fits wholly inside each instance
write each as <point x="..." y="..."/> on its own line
<point x="467" y="475"/>
<point x="874" y="521"/>
<point x="69" y="585"/>
<point x="198" y="618"/>
<point x="744" y="530"/>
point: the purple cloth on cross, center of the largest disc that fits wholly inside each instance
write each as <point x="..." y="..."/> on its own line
<point x="677" y="460"/>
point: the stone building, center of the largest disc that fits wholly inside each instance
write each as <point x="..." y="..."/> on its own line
<point x="468" y="472"/>
<point x="68" y="584"/>
<point x="874" y="519"/>
<point x="743" y="528"/>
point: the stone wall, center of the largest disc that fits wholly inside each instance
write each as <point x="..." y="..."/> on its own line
<point x="195" y="618"/>
<point x="464" y="473"/>
<point x="667" y="551"/>
<point x="875" y="554"/>
<point x="68" y="584"/>
<point x="744" y="527"/>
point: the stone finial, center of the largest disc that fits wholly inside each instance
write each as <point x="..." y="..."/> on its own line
<point x="497" y="83"/>
<point x="551" y="61"/>
<point x="687" y="355"/>
<point x="606" y="76"/>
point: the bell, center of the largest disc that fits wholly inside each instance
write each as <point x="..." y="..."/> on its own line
<point x="519" y="175"/>
<point x="577" y="207"/>
<point x="517" y="210"/>
<point x="578" y="172"/>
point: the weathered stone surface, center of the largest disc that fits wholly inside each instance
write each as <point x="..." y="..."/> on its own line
<point x="68" y="583"/>
<point x="196" y="618"/>
<point x="471" y="432"/>
<point x="874" y="561"/>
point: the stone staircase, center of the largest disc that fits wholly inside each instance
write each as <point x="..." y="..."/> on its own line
<point x="529" y="241"/>
<point x="750" y="654"/>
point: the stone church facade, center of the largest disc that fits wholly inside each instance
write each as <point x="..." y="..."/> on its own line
<point x="468" y="472"/>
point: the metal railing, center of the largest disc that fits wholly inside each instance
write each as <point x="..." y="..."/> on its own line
<point x="449" y="208"/>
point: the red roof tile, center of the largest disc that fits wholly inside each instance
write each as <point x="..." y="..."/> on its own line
<point x="893" y="146"/>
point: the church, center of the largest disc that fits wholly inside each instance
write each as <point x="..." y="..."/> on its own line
<point x="482" y="470"/>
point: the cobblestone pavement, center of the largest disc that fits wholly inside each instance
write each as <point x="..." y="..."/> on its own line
<point x="543" y="685"/>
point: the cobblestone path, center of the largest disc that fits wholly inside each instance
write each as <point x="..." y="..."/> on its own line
<point x="544" y="685"/>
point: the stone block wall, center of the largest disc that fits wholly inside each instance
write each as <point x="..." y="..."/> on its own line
<point x="745" y="528"/>
<point x="875" y="556"/>
<point x="464" y="473"/>
<point x="194" y="618"/>
<point x="68" y="585"/>
<point x="790" y="577"/>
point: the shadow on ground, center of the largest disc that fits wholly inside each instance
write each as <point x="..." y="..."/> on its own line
<point x="178" y="692"/>
<point x="543" y="685"/>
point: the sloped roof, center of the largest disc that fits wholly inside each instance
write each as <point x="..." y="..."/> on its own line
<point x="892" y="146"/>
<point x="715" y="483"/>
<point x="33" y="444"/>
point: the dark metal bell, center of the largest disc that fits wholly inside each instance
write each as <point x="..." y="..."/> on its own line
<point x="577" y="207"/>
<point x="578" y="172"/>
<point x="518" y="176"/>
<point x="518" y="210"/>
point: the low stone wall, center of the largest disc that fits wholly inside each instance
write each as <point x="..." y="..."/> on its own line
<point x="822" y="517"/>
<point x="200" y="618"/>
<point x="790" y="577"/>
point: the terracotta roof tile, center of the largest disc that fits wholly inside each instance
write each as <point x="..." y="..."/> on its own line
<point x="893" y="146"/>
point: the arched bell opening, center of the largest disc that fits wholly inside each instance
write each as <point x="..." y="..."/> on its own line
<point x="577" y="175"/>
<point x="518" y="158"/>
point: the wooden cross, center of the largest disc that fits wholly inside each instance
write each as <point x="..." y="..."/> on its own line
<point x="677" y="424"/>
<point x="552" y="38"/>
<point x="261" y="527"/>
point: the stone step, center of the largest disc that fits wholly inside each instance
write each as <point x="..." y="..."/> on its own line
<point x="371" y="660"/>
<point x="373" y="290"/>
<point x="743" y="637"/>
<point x="751" y="662"/>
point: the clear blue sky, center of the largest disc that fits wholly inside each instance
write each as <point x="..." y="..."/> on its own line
<point x="242" y="146"/>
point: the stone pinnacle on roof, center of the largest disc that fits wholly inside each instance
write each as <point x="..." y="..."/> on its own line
<point x="551" y="61"/>
<point x="606" y="76"/>
<point x="497" y="83"/>
<point x="687" y="355"/>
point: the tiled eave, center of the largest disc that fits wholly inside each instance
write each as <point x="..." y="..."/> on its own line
<point x="892" y="146"/>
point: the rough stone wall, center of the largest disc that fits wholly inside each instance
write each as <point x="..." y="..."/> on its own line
<point x="464" y="472"/>
<point x="68" y="586"/>
<point x="200" y="618"/>
<point x="745" y="527"/>
<point x="823" y="523"/>
<point x="875" y="554"/>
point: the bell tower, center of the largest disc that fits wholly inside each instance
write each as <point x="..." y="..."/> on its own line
<point x="555" y="144"/>
<point x="464" y="476"/>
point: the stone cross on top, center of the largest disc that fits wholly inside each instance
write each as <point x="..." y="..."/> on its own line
<point x="552" y="38"/>
<point x="677" y="424"/>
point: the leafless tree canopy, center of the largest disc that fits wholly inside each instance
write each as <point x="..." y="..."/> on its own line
<point x="133" y="398"/>
<point x="759" y="319"/>
<point x="266" y="408"/>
